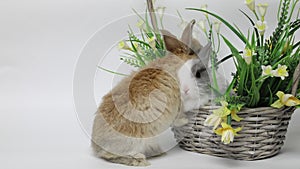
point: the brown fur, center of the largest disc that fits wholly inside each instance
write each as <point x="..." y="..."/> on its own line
<point x="139" y="108"/>
<point x="157" y="75"/>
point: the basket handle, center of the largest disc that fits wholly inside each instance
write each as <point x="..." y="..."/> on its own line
<point x="296" y="78"/>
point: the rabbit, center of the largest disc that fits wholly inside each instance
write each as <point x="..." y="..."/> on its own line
<point x="194" y="80"/>
<point x="143" y="105"/>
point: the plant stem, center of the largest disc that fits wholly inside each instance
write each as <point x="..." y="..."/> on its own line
<point x="152" y="15"/>
<point x="229" y="119"/>
<point x="256" y="15"/>
<point x="110" y="71"/>
<point x="215" y="82"/>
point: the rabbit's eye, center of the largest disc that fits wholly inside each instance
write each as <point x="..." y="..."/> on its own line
<point x="198" y="74"/>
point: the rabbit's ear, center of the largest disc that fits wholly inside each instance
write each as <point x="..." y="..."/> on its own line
<point x="196" y="46"/>
<point x="187" y="35"/>
<point x="171" y="42"/>
<point x="204" y="54"/>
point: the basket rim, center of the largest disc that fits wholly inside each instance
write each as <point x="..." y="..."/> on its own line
<point x="209" y="107"/>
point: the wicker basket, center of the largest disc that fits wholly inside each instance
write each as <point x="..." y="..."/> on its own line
<point x="262" y="136"/>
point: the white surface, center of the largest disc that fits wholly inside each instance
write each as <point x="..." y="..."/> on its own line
<point x="40" y="42"/>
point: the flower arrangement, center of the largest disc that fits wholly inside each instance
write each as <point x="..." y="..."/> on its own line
<point x="150" y="45"/>
<point x="146" y="46"/>
<point x="267" y="70"/>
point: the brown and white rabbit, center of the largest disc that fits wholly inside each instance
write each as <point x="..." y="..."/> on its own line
<point x="194" y="79"/>
<point x="145" y="104"/>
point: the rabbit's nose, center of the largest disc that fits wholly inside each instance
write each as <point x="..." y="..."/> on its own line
<point x="186" y="90"/>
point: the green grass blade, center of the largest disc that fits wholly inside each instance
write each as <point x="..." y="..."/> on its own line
<point x="110" y="71"/>
<point x="236" y="32"/>
<point x="139" y="41"/>
<point x="253" y="24"/>
<point x="234" y="51"/>
<point x="230" y="87"/>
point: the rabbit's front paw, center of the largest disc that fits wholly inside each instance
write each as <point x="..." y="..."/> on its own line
<point x="181" y="122"/>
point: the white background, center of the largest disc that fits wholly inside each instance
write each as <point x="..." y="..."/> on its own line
<point x="40" y="42"/>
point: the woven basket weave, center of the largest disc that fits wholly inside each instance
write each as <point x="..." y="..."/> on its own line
<point x="262" y="136"/>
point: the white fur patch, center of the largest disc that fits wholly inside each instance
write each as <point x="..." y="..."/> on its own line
<point x="189" y="90"/>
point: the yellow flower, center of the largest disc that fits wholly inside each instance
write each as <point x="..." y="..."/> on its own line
<point x="250" y="4"/>
<point x="247" y="55"/>
<point x="234" y="111"/>
<point x="213" y="120"/>
<point x="136" y="45"/>
<point x="261" y="26"/>
<point x="152" y="42"/>
<point x="285" y="100"/>
<point x="262" y="9"/>
<point x="140" y="50"/>
<point x="216" y="118"/>
<point x="140" y="24"/>
<point x="227" y="133"/>
<point x="222" y="111"/>
<point x="267" y="70"/>
<point x="217" y="25"/>
<point x="281" y="72"/>
<point x="123" y="45"/>
<point x="234" y="116"/>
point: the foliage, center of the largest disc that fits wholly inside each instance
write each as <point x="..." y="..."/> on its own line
<point x="145" y="47"/>
<point x="265" y="68"/>
<point x="140" y="49"/>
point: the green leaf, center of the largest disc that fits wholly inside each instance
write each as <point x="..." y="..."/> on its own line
<point x="271" y="95"/>
<point x="110" y="71"/>
<point x="254" y="91"/>
<point x="216" y="91"/>
<point x="255" y="29"/>
<point x="235" y="31"/>
<point x="230" y="87"/>
<point x="139" y="41"/>
<point x="234" y="51"/>
<point x="292" y="10"/>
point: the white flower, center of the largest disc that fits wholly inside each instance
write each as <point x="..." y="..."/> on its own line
<point x="285" y="100"/>
<point x="261" y="26"/>
<point x="227" y="136"/>
<point x="204" y="7"/>
<point x="227" y="133"/>
<point x="160" y="10"/>
<point x="201" y="24"/>
<point x="213" y="120"/>
<point x="247" y="55"/>
<point x="262" y="9"/>
<point x="217" y="25"/>
<point x="250" y="4"/>
<point x="267" y="70"/>
<point x="281" y="72"/>
<point x="216" y="118"/>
